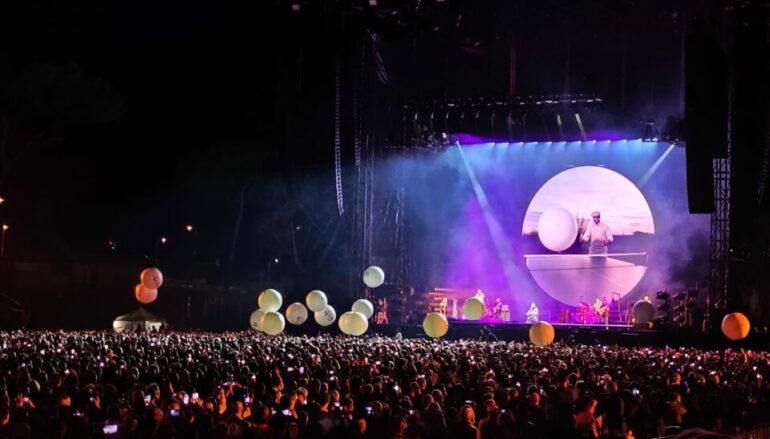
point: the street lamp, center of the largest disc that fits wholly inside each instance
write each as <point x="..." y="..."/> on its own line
<point x="2" y="239"/>
<point x="194" y="232"/>
<point x="270" y="263"/>
<point x="161" y="240"/>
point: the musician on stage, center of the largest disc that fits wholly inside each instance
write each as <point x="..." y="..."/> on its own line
<point x="455" y="313"/>
<point x="602" y="309"/>
<point x="533" y="314"/>
<point x="497" y="309"/>
<point x="442" y="306"/>
<point x="598" y="234"/>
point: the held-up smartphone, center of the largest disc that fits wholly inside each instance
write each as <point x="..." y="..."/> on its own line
<point x="246" y="400"/>
<point x="194" y="397"/>
<point x="147" y="399"/>
<point x="635" y="392"/>
<point x="186" y="399"/>
<point x="337" y="404"/>
<point x="174" y="412"/>
<point x="286" y="412"/>
<point x="110" y="429"/>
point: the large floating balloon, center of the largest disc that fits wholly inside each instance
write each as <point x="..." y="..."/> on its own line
<point x="435" y="325"/>
<point x="296" y="313"/>
<point x="144" y="294"/>
<point x="473" y="308"/>
<point x="557" y="229"/>
<point x="541" y="333"/>
<point x="256" y="318"/>
<point x="151" y="278"/>
<point x="735" y="326"/>
<point x="325" y="317"/>
<point x="643" y="311"/>
<point x="272" y="323"/>
<point x="353" y="323"/>
<point x="270" y="300"/>
<point x="374" y="277"/>
<point x="363" y="306"/>
<point x="316" y="300"/>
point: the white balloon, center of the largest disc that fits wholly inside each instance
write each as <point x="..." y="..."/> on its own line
<point x="296" y="313"/>
<point x="272" y="323"/>
<point x="557" y="229"/>
<point x="353" y="323"/>
<point x="270" y="300"/>
<point x="473" y="308"/>
<point x="256" y="318"/>
<point x="363" y="306"/>
<point x="316" y="300"/>
<point x="374" y="277"/>
<point x="325" y="317"/>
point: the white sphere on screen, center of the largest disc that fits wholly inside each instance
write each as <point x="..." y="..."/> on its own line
<point x="145" y="295"/>
<point x="270" y="300"/>
<point x="151" y="278"/>
<point x="325" y="317"/>
<point x="374" y="277"/>
<point x="256" y="318"/>
<point x="363" y="306"/>
<point x="316" y="300"/>
<point x="272" y="323"/>
<point x="557" y="229"/>
<point x="353" y="323"/>
<point x="296" y="313"/>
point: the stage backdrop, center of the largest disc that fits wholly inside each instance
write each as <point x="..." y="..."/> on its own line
<point x="473" y="211"/>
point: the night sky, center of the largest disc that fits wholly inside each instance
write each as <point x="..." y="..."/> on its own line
<point x="160" y="108"/>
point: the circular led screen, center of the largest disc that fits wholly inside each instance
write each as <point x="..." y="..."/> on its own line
<point x="577" y="277"/>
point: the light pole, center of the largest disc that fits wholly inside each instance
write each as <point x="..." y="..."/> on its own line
<point x="2" y="239"/>
<point x="161" y="240"/>
<point x="192" y="230"/>
<point x="270" y="263"/>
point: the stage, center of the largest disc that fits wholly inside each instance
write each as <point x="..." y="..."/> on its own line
<point x="613" y="334"/>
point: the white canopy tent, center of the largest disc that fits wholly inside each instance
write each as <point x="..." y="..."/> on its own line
<point x="141" y="319"/>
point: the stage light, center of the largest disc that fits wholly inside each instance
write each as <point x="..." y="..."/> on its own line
<point x="664" y="307"/>
<point x="680" y="296"/>
<point x="662" y="295"/>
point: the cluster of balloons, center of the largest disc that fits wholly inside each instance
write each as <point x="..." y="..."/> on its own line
<point x="146" y="291"/>
<point x="266" y="318"/>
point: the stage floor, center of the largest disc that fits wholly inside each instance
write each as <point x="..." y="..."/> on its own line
<point x="614" y="334"/>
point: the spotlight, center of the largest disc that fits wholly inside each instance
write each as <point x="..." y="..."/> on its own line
<point x="662" y="295"/>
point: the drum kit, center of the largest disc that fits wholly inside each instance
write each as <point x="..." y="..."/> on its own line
<point x="587" y="314"/>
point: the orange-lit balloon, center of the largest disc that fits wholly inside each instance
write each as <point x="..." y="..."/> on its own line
<point x="152" y="278"/>
<point x="145" y="295"/>
<point x="735" y="326"/>
<point x="541" y="333"/>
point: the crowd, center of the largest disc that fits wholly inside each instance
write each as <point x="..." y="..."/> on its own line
<point x="248" y="385"/>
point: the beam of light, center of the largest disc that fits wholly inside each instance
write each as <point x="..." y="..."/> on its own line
<point x="647" y="175"/>
<point x="561" y="130"/>
<point x="502" y="245"/>
<point x="580" y="125"/>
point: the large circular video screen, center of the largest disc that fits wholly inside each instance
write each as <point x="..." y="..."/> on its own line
<point x="585" y="257"/>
